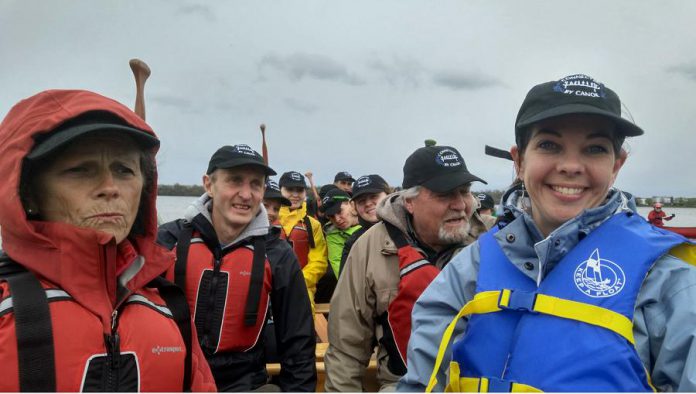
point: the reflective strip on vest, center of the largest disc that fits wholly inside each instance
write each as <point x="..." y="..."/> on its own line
<point x="51" y="295"/>
<point x="138" y="299"/>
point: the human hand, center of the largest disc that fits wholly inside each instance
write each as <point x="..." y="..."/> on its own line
<point x="308" y="174"/>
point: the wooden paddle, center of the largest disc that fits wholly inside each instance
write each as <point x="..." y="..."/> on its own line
<point x="141" y="71"/>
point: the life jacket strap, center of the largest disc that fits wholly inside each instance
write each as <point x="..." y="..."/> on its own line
<point x="494" y="301"/>
<point x="258" y="269"/>
<point x="182" y="251"/>
<point x="310" y="231"/>
<point x="33" y="328"/>
<point x="484" y="384"/>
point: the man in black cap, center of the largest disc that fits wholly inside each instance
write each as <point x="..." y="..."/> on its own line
<point x="368" y="192"/>
<point x="232" y="266"/>
<point x="344" y="181"/>
<point x="392" y="263"/>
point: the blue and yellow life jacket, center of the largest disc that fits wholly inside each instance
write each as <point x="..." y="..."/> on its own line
<point x="573" y="332"/>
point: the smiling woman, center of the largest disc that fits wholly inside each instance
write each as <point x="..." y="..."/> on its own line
<point x="571" y="272"/>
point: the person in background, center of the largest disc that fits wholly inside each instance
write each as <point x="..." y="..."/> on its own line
<point x="343" y="222"/>
<point x="368" y="192"/>
<point x="322" y="193"/>
<point x="302" y="231"/>
<point x="273" y="200"/>
<point x="657" y="215"/>
<point x="575" y="291"/>
<point x="84" y="307"/>
<point x="313" y="203"/>
<point x="232" y="266"/>
<point x="486" y="209"/>
<point x="388" y="267"/>
<point x="344" y="181"/>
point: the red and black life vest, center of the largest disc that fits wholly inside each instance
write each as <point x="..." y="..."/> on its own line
<point x="120" y="368"/>
<point x="415" y="274"/>
<point x="301" y="238"/>
<point x="229" y="293"/>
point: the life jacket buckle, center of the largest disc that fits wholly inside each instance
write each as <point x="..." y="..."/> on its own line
<point x="496" y="385"/>
<point x="517" y="300"/>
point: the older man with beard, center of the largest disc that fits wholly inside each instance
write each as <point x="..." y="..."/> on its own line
<point x="389" y="266"/>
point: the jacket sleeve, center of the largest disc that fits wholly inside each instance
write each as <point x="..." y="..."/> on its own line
<point x="351" y="326"/>
<point x="664" y="330"/>
<point x="317" y="261"/>
<point x="432" y="313"/>
<point x="168" y="234"/>
<point x="294" y="323"/>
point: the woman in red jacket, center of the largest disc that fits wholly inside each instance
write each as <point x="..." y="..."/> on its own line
<point x="82" y="305"/>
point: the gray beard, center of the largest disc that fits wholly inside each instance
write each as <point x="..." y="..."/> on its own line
<point x="457" y="236"/>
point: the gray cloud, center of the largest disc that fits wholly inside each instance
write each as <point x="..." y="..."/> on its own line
<point x="197" y="9"/>
<point x="302" y="65"/>
<point x="457" y="80"/>
<point x="399" y="71"/>
<point x="300" y="106"/>
<point x="686" y="70"/>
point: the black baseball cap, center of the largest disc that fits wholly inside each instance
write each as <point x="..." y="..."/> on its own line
<point x="292" y="179"/>
<point x="331" y="203"/>
<point x="90" y="122"/>
<point x="273" y="193"/>
<point x="325" y="189"/>
<point x="486" y="200"/>
<point x="574" y="94"/>
<point x="437" y="168"/>
<point x="230" y="156"/>
<point x="343" y="176"/>
<point x="369" y="184"/>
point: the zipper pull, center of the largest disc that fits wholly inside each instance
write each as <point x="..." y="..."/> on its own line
<point x="114" y="320"/>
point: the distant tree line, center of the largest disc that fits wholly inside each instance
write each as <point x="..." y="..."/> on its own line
<point x="196" y="190"/>
<point x="180" y="190"/>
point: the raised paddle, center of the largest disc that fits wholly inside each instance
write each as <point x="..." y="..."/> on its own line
<point x="264" y="149"/>
<point x="141" y="71"/>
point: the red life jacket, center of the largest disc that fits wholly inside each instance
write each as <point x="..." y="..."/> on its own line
<point x="301" y="238"/>
<point x="415" y="274"/>
<point x="229" y="294"/>
<point x="47" y="322"/>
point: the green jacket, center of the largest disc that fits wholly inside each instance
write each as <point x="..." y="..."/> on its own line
<point x="335" y="239"/>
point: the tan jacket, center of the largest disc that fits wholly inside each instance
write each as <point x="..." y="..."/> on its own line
<point x="368" y="283"/>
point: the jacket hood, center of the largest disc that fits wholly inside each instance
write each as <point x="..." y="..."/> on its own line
<point x="62" y="253"/>
<point x="391" y="209"/>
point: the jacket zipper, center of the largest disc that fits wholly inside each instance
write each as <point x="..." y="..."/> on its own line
<point x="113" y="359"/>
<point x="211" y="304"/>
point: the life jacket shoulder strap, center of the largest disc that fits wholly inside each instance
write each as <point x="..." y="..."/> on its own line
<point x="310" y="231"/>
<point x="34" y="331"/>
<point x="258" y="267"/>
<point x="182" y="251"/>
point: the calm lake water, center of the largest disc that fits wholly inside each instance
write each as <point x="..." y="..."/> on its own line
<point x="170" y="208"/>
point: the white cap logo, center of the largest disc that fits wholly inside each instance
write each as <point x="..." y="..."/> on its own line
<point x="580" y="85"/>
<point x="363" y="181"/>
<point x="296" y="176"/>
<point x="448" y="158"/>
<point x="244" y="149"/>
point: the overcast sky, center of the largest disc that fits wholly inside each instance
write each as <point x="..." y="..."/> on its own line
<point x="358" y="85"/>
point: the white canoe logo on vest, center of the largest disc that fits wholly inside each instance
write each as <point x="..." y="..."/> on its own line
<point x="598" y="277"/>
